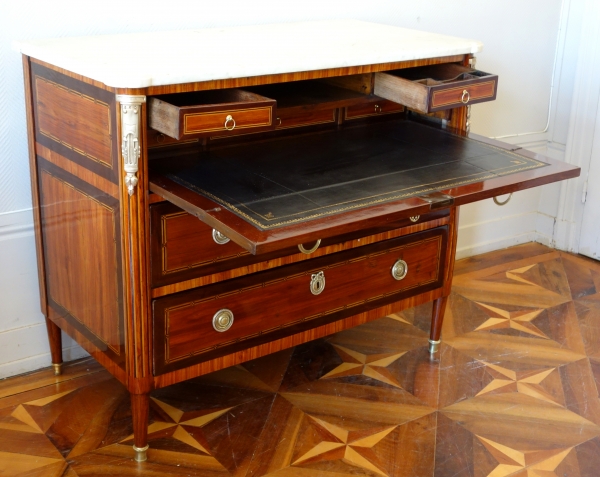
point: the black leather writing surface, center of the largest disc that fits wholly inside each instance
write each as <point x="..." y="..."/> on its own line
<point x="294" y="179"/>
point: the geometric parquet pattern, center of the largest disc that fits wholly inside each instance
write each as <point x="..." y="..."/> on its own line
<point x="512" y="392"/>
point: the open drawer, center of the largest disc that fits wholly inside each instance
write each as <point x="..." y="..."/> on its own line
<point x="208" y="113"/>
<point x="437" y="87"/>
<point x="292" y="190"/>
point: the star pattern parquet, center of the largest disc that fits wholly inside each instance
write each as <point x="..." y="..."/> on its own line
<point x="514" y="391"/>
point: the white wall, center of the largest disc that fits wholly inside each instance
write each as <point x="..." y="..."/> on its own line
<point x="530" y="215"/>
<point x="520" y="44"/>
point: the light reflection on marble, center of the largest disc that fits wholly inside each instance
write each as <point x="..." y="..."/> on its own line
<point x="130" y="60"/>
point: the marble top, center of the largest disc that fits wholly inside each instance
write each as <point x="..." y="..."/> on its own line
<point x="138" y="60"/>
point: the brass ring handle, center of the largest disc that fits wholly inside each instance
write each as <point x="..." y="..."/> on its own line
<point x="400" y="269"/>
<point x="279" y="122"/>
<point x="463" y="99"/>
<point x="220" y="238"/>
<point x="377" y="108"/>
<point x="227" y="119"/>
<point x="308" y="251"/>
<point x="317" y="283"/>
<point x="160" y="138"/>
<point x="504" y="202"/>
<point x="222" y="320"/>
<point x="415" y="218"/>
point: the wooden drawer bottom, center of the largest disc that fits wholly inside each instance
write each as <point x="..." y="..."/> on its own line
<point x="279" y="302"/>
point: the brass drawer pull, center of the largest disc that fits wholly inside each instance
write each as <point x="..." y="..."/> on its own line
<point x="308" y="251"/>
<point x="222" y="320"/>
<point x="415" y="218"/>
<point x="399" y="270"/>
<point x="465" y="97"/>
<point x="317" y="283"/>
<point x="504" y="202"/>
<point x="377" y="108"/>
<point x="220" y="238"/>
<point x="227" y="119"/>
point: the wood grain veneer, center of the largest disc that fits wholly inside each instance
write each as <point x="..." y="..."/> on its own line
<point x="478" y="92"/>
<point x="275" y="345"/>
<point x="374" y="107"/>
<point x="62" y="123"/>
<point x="280" y="302"/>
<point x="70" y="74"/>
<point x="75" y="170"/>
<point x="79" y="171"/>
<point x="359" y="71"/>
<point x="79" y="122"/>
<point x="291" y="119"/>
<point x="88" y="344"/>
<point x="35" y="197"/>
<point x="182" y="248"/>
<point x="78" y="224"/>
<point x="287" y="77"/>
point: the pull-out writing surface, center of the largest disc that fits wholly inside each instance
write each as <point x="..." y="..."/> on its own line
<point x="306" y="180"/>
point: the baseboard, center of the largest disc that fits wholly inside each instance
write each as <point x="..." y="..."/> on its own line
<point x="16" y="224"/>
<point x="23" y="338"/>
<point x="26" y="349"/>
<point x="33" y="363"/>
<point x="498" y="233"/>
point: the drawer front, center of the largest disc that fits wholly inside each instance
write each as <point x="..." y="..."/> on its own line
<point x="382" y="106"/>
<point x="289" y="299"/>
<point x="443" y="97"/>
<point x="225" y="120"/>
<point x="183" y="247"/>
<point x="286" y="119"/>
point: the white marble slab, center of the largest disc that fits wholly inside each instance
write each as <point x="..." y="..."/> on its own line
<point x="139" y="60"/>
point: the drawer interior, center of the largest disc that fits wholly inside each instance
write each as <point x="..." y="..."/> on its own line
<point x="310" y="95"/>
<point x="439" y="74"/>
<point x="216" y="98"/>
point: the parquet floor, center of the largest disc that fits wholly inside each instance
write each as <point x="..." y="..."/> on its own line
<point x="513" y="392"/>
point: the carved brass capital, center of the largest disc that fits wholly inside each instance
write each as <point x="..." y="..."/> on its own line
<point x="131" y="108"/>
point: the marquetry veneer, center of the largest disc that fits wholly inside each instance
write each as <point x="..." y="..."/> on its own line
<point x="127" y="260"/>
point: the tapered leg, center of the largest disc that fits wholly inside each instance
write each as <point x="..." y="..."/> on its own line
<point x="55" y="339"/>
<point x="437" y="318"/>
<point x="140" y="404"/>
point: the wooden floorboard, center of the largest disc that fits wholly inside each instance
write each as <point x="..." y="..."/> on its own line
<point x="512" y="392"/>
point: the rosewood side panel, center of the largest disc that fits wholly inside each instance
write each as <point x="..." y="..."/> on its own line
<point x="76" y="166"/>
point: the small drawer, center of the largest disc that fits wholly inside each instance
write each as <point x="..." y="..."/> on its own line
<point x="291" y="119"/>
<point x="374" y="108"/>
<point x="437" y="87"/>
<point x="189" y="326"/>
<point x="225" y="112"/>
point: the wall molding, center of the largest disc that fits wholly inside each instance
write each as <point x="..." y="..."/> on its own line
<point x="584" y="111"/>
<point x="16" y="224"/>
